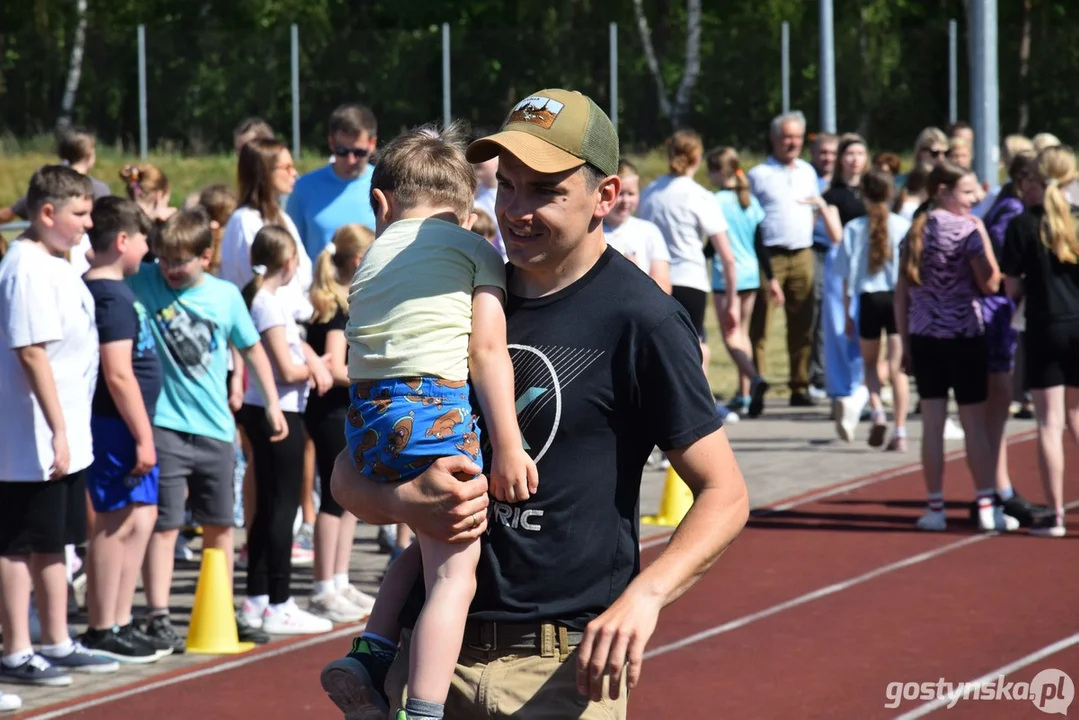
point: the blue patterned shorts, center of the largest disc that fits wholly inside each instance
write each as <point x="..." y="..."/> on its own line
<point x="396" y="428"/>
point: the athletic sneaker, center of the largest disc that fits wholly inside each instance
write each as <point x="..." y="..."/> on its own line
<point x="757" y="389"/>
<point x="992" y="518"/>
<point x="289" y="619"/>
<point x="246" y="633"/>
<point x="161" y="648"/>
<point x="336" y="608"/>
<point x="1051" y="525"/>
<point x="82" y="660"/>
<point x="355" y="683"/>
<point x="159" y="627"/>
<point x="358" y="598"/>
<point x="933" y="520"/>
<point x="111" y="644"/>
<point x="9" y="702"/>
<point x="35" y="671"/>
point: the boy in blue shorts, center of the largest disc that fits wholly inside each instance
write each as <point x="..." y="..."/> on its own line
<point x="425" y="313"/>
<point x="122" y="480"/>
<point x="194" y="317"/>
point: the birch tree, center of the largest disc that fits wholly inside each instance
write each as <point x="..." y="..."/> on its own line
<point x="74" y="68"/>
<point x="678" y="110"/>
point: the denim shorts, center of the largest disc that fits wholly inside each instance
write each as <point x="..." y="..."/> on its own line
<point x="397" y="428"/>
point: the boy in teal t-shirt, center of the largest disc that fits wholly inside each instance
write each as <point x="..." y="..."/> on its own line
<point x="194" y="317"/>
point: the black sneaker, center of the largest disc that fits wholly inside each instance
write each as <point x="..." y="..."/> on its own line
<point x="159" y="627"/>
<point x="248" y="633"/>
<point x="802" y="398"/>
<point x="137" y="637"/>
<point x="1026" y="512"/>
<point x="113" y="645"/>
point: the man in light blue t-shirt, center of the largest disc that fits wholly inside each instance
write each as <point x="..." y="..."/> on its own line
<point x="340" y="192"/>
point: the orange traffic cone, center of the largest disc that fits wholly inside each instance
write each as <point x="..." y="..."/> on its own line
<point x="675" y="503"/>
<point x="213" y="618"/>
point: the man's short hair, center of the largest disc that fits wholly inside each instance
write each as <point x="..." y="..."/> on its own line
<point x="783" y="118"/>
<point x="823" y="138"/>
<point x="55" y="185"/>
<point x="427" y="166"/>
<point x="75" y="144"/>
<point x="957" y="126"/>
<point x="185" y="235"/>
<point x="113" y="215"/>
<point x="353" y="120"/>
<point x="254" y="126"/>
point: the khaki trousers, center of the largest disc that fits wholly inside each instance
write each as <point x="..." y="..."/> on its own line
<point x="794" y="271"/>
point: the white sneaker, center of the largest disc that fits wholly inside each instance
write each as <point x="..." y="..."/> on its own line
<point x="934" y="520"/>
<point x="359" y="598"/>
<point x="953" y="430"/>
<point x="252" y="613"/>
<point x="993" y="518"/>
<point x="289" y="619"/>
<point x="850" y="412"/>
<point x="9" y="702"/>
<point x="336" y="608"/>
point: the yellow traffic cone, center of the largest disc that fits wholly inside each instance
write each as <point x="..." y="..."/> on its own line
<point x="213" y="618"/>
<point x="675" y="503"/>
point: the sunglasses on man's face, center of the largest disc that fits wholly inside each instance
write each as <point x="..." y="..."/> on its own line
<point x="360" y="152"/>
<point x="936" y="153"/>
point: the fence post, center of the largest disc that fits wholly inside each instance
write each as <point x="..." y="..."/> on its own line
<point x="827" y="68"/>
<point x="953" y="71"/>
<point x="144" y="140"/>
<point x="613" y="40"/>
<point x="984" y="93"/>
<point x="785" y="61"/>
<point x="446" y="74"/>
<point x="294" y="33"/>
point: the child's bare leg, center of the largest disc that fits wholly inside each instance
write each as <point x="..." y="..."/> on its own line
<point x="450" y="576"/>
<point x="105" y="566"/>
<point x="392" y="594"/>
<point x="140" y="526"/>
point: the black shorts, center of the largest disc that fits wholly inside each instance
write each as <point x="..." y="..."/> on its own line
<point x="694" y="301"/>
<point x="1052" y="356"/>
<point x="957" y="364"/>
<point x="36" y="517"/>
<point x="876" y="314"/>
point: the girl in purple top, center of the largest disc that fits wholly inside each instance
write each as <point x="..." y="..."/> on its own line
<point x="948" y="265"/>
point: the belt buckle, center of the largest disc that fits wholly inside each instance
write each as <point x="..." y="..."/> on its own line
<point x="487" y="644"/>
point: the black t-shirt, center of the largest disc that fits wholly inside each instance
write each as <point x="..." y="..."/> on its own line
<point x="603" y="370"/>
<point x="121" y="317"/>
<point x="847" y="200"/>
<point x="1051" y="287"/>
<point x="336" y="398"/>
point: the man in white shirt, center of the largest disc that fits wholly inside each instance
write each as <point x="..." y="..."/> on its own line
<point x="788" y="191"/>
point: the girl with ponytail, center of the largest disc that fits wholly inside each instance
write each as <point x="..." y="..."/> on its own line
<point x="948" y="265"/>
<point x="279" y="465"/>
<point x="868" y="261"/>
<point x="1041" y="262"/>
<point x="333" y="596"/>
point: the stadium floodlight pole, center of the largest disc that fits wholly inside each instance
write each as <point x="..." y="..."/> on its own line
<point x="827" y="68"/>
<point x="613" y="40"/>
<point x="445" y="74"/>
<point x="984" y="96"/>
<point x="294" y="40"/>
<point x="953" y="71"/>
<point x="785" y="61"/>
<point x="144" y="139"/>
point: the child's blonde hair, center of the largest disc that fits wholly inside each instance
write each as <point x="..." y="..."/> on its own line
<point x="271" y="250"/>
<point x="220" y="202"/>
<point x="185" y="234"/>
<point x="684" y="150"/>
<point x="142" y="180"/>
<point x="1056" y="168"/>
<point x="328" y="297"/>
<point x="427" y="166"/>
<point x="725" y="161"/>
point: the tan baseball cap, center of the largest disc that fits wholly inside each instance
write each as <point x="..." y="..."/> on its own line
<point x="552" y="131"/>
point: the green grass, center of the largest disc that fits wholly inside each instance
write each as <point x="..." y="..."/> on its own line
<point x="190" y="174"/>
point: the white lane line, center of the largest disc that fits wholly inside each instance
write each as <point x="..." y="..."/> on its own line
<point x="823" y="592"/>
<point x="844" y="487"/>
<point x="175" y="680"/>
<point x="1047" y="651"/>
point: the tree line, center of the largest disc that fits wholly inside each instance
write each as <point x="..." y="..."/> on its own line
<point x="713" y="65"/>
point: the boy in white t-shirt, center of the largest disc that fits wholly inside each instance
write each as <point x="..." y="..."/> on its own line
<point x="48" y="373"/>
<point x="425" y="313"/>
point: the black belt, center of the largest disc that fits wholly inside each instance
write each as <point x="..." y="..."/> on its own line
<point x="547" y="639"/>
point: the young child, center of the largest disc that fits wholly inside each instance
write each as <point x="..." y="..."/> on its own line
<point x="122" y="480"/>
<point x="279" y="465"/>
<point x="48" y="364"/>
<point x="868" y="261"/>
<point x="194" y="316"/>
<point x="947" y="264"/>
<point x="425" y="313"/>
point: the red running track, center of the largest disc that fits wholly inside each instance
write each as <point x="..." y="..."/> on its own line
<point x="813" y="612"/>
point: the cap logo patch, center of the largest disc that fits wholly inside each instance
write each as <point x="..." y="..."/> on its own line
<point x="536" y="110"/>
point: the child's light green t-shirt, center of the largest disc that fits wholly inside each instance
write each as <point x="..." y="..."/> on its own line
<point x="410" y="303"/>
